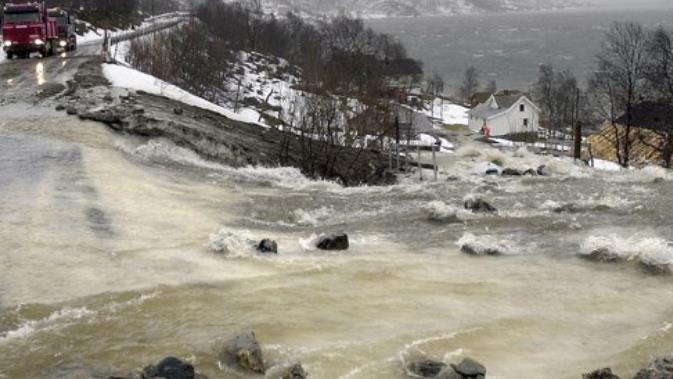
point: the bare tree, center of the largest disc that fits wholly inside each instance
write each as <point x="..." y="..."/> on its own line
<point x="556" y="93"/>
<point x="620" y="82"/>
<point x="492" y="86"/>
<point x="436" y="90"/>
<point x="659" y="73"/>
<point x="470" y="83"/>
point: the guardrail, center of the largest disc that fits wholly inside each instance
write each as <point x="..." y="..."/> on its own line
<point x="129" y="35"/>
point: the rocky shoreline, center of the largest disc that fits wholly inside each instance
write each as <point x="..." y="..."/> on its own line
<point x="211" y="135"/>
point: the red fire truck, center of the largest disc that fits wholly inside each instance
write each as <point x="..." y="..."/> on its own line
<point x="27" y="28"/>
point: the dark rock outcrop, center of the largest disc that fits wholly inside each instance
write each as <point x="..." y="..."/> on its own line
<point x="604" y="373"/>
<point x="469" y="368"/>
<point x="479" y="206"/>
<point x="661" y="368"/>
<point x="426" y="368"/>
<point x="295" y="371"/>
<point x="511" y="172"/>
<point x="170" y="368"/>
<point x="476" y="250"/>
<point x="267" y="246"/>
<point x="530" y="172"/>
<point x="243" y="352"/>
<point x="543" y="171"/>
<point x="603" y="255"/>
<point x="333" y="242"/>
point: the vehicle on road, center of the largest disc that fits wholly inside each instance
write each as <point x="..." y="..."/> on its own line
<point x="27" y="28"/>
<point x="67" y="37"/>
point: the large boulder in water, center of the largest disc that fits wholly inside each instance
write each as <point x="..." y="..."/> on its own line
<point x="474" y="249"/>
<point x="171" y="368"/>
<point x="333" y="242"/>
<point x="604" y="373"/>
<point x="469" y="368"/>
<point x="511" y="172"/>
<point x="295" y="371"/>
<point x="243" y="352"/>
<point x="479" y="206"/>
<point x="426" y="368"/>
<point x="530" y="172"/>
<point x="267" y="246"/>
<point x="661" y="368"/>
<point x="543" y="171"/>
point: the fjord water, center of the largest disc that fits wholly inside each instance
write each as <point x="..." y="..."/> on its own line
<point x="509" y="47"/>
<point x="107" y="263"/>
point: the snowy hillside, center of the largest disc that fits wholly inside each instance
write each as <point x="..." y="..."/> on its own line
<point x="384" y="8"/>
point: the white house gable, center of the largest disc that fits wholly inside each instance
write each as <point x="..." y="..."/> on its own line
<point x="520" y="116"/>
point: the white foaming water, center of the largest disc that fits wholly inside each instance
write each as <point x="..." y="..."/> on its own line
<point x="650" y="250"/>
<point x="440" y="211"/>
<point x="482" y="244"/>
<point x="232" y="244"/>
<point x="162" y="151"/>
<point x="56" y="319"/>
<point x="311" y="218"/>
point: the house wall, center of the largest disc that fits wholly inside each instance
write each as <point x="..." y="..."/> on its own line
<point x="514" y="118"/>
<point x="509" y="122"/>
<point x="475" y="124"/>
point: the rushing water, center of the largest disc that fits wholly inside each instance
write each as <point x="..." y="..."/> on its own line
<point x="106" y="262"/>
<point x="510" y="47"/>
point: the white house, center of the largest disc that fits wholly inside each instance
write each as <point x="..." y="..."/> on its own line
<point x="505" y="113"/>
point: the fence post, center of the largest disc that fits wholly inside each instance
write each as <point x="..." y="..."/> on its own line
<point x="397" y="154"/>
<point x="390" y="158"/>
<point x="418" y="160"/>
<point x="434" y="160"/>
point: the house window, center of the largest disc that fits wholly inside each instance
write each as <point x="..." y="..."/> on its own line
<point x="522" y="108"/>
<point x="525" y="121"/>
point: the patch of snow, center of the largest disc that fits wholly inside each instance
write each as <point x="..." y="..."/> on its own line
<point x="448" y="113"/>
<point x="125" y="77"/>
<point x="602" y="165"/>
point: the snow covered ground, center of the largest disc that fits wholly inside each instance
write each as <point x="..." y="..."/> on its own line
<point x="448" y="113"/>
<point x="126" y="77"/>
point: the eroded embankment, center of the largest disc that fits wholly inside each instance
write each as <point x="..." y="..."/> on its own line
<point x="214" y="136"/>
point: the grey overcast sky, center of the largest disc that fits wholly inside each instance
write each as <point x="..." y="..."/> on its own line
<point x="633" y="3"/>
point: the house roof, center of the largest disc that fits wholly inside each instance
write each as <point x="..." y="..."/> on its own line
<point x="657" y="116"/>
<point x="480" y="97"/>
<point x="504" y="101"/>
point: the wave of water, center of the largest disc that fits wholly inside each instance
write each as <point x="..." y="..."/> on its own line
<point x="64" y="317"/>
<point x="652" y="251"/>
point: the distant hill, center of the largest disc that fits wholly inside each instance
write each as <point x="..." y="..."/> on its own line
<point x="392" y="8"/>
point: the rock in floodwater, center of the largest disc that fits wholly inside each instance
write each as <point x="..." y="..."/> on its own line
<point x="60" y="107"/>
<point x="244" y="352"/>
<point x="661" y="368"/>
<point x="71" y="110"/>
<point x="426" y="368"/>
<point x="603" y="255"/>
<point x="604" y="373"/>
<point x="178" y="111"/>
<point x="333" y="242"/>
<point x="479" y="206"/>
<point x="267" y="246"/>
<point x="543" y="171"/>
<point x="170" y="368"/>
<point x="492" y="171"/>
<point x="479" y="250"/>
<point x="511" y="172"/>
<point x="296" y="371"/>
<point x="530" y="172"/>
<point x="469" y="368"/>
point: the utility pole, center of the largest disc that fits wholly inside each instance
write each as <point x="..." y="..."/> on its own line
<point x="578" y="128"/>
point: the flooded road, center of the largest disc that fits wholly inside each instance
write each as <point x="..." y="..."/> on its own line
<point x="106" y="260"/>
